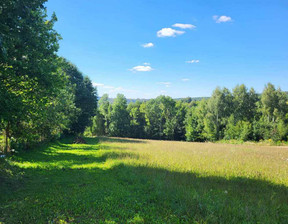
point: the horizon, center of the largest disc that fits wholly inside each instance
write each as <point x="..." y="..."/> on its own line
<point x="193" y="47"/>
<point x="192" y="97"/>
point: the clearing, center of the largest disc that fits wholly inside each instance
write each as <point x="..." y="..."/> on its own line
<point x="114" y="180"/>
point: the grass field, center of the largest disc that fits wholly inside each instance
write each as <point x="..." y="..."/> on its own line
<point x="113" y="180"/>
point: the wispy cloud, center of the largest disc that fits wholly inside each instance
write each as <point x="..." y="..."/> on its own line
<point x="117" y="89"/>
<point x="185" y="80"/>
<point x="184" y="26"/>
<point x="147" y="45"/>
<point x="142" y="68"/>
<point x="222" y="19"/>
<point x="167" y="84"/>
<point x="97" y="84"/>
<point x="169" y="32"/>
<point x="108" y="87"/>
<point x="113" y="90"/>
<point x="193" y="61"/>
<point x="122" y="90"/>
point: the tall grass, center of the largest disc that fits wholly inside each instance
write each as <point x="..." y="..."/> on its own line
<point x="114" y="180"/>
<point x="267" y="163"/>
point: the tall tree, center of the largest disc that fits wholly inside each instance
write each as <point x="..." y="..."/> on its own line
<point x="219" y="108"/>
<point x="273" y="108"/>
<point x="137" y="120"/>
<point x="28" y="61"/>
<point x="244" y="107"/>
<point x="181" y="110"/>
<point x="273" y="102"/>
<point x="167" y="106"/>
<point x="98" y="124"/>
<point x="160" y="118"/>
<point x="119" y="117"/>
<point x="153" y="119"/>
<point x="105" y="110"/>
<point x="194" y="121"/>
<point x="85" y="97"/>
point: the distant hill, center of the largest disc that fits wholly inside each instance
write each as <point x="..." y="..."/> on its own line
<point x="189" y="99"/>
<point x="186" y="99"/>
<point x="111" y="100"/>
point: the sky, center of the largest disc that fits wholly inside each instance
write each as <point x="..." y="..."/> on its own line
<point x="179" y="48"/>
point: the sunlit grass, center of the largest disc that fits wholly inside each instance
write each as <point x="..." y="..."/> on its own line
<point x="269" y="163"/>
<point x="114" y="180"/>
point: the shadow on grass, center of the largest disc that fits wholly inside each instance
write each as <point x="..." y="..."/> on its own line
<point x="120" y="140"/>
<point x="133" y="194"/>
<point x="67" y="155"/>
<point x="70" y="139"/>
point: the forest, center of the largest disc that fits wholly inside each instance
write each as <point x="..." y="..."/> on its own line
<point x="238" y="115"/>
<point x="44" y="97"/>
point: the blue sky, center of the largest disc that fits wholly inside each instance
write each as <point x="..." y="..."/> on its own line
<point x="192" y="46"/>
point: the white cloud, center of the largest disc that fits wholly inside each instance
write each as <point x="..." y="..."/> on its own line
<point x="97" y="84"/>
<point x="147" y="45"/>
<point x="163" y="91"/>
<point x="142" y="68"/>
<point x="146" y="63"/>
<point x="185" y="80"/>
<point x="222" y="19"/>
<point x="167" y="84"/>
<point x="184" y="26"/>
<point x="108" y="87"/>
<point x="101" y="85"/>
<point x="169" y="32"/>
<point x="193" y="61"/>
<point x="113" y="90"/>
<point x="122" y="90"/>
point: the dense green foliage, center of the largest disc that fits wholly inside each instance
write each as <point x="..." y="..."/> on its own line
<point x="39" y="97"/>
<point x="241" y="115"/>
<point x="110" y="180"/>
<point x="85" y="98"/>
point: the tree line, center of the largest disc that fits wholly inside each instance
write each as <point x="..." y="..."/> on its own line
<point x="42" y="95"/>
<point x="240" y="114"/>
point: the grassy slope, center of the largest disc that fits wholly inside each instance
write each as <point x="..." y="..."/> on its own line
<point x="138" y="181"/>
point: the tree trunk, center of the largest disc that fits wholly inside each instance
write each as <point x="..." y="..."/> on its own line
<point x="7" y="147"/>
<point x="217" y="126"/>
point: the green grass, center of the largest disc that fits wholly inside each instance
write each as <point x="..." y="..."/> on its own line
<point x="114" y="180"/>
<point x="268" y="142"/>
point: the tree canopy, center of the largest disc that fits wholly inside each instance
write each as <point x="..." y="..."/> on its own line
<point x="40" y="96"/>
<point x="239" y="114"/>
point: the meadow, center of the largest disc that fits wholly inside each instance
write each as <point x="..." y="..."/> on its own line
<point x="120" y="180"/>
